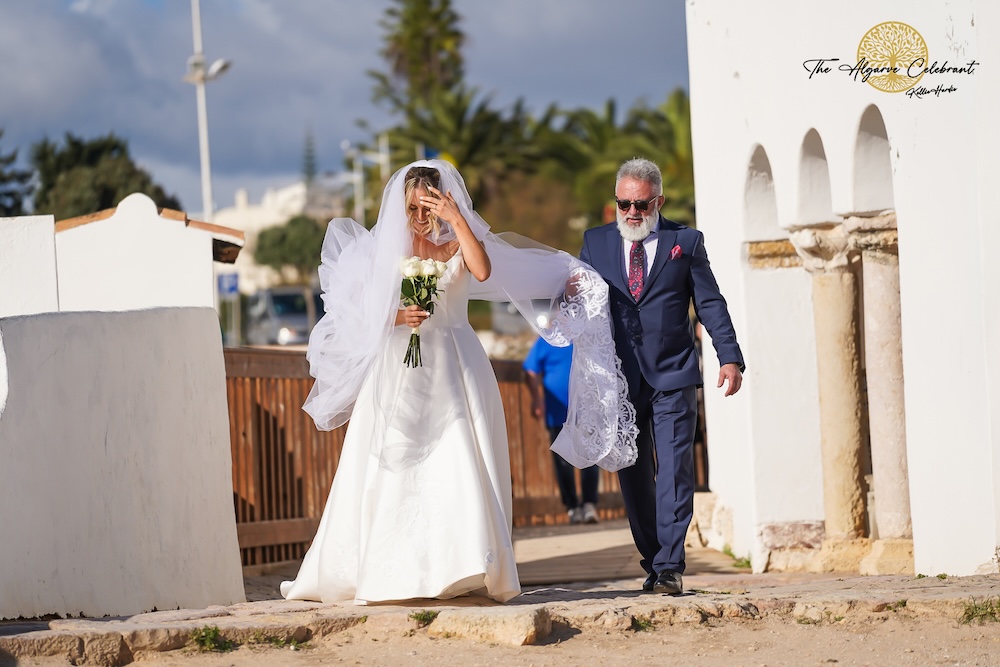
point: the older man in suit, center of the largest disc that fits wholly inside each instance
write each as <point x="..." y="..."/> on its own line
<point x="655" y="269"/>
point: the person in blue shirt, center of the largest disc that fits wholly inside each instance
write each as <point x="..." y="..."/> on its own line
<point x="547" y="374"/>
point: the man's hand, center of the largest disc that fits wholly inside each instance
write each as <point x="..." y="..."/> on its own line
<point x="732" y="373"/>
<point x="537" y="409"/>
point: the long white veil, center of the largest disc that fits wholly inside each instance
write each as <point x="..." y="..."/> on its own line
<point x="360" y="278"/>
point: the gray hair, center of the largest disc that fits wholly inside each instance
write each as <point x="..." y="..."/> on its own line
<point x="641" y="169"/>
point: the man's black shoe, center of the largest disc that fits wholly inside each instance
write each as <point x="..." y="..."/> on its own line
<point x="669" y="582"/>
<point x="647" y="586"/>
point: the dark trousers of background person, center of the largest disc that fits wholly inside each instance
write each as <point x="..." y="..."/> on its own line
<point x="566" y="477"/>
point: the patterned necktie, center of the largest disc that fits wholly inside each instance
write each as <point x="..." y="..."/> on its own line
<point x="636" y="269"/>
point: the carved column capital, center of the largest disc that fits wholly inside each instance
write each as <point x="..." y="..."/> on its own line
<point x="823" y="249"/>
<point x="877" y="245"/>
<point x="876" y="238"/>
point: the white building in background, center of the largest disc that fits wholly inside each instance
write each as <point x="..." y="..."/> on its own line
<point x="852" y="231"/>
<point x="323" y="201"/>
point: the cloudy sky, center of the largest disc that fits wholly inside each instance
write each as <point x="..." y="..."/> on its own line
<point x="97" y="66"/>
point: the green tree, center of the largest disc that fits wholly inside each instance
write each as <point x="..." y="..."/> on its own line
<point x="591" y="150"/>
<point x="590" y="146"/>
<point x="509" y="154"/>
<point x="309" y="159"/>
<point x="423" y="48"/>
<point x="293" y="250"/>
<point x="14" y="185"/>
<point x="539" y="207"/>
<point x="480" y="141"/>
<point x="85" y="176"/>
<point x="439" y="114"/>
<point x="665" y="136"/>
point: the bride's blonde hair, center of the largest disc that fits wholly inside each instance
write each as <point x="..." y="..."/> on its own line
<point x="422" y="177"/>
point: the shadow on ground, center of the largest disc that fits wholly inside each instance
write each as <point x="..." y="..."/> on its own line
<point x="590" y="560"/>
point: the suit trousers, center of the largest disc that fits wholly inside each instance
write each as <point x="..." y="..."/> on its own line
<point x="659" y="489"/>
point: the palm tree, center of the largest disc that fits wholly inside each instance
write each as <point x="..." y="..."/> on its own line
<point x="664" y="133"/>
<point x="592" y="148"/>
<point x="423" y="47"/>
<point x="463" y="127"/>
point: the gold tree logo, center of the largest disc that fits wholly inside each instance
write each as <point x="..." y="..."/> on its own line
<point x="893" y="50"/>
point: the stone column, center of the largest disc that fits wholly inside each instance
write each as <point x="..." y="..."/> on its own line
<point x="892" y="551"/>
<point x="827" y="255"/>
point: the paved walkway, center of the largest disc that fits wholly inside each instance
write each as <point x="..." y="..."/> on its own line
<point x="585" y="578"/>
<point x="601" y="552"/>
<point x="561" y="555"/>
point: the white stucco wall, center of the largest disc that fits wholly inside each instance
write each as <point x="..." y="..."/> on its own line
<point x="116" y="476"/>
<point x="27" y="265"/>
<point x="134" y="259"/>
<point x="749" y="87"/>
<point x="785" y="432"/>
<point x="989" y="225"/>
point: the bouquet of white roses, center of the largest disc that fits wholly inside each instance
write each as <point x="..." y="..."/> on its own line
<point x="419" y="288"/>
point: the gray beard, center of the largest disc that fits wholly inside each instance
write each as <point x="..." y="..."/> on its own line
<point x="630" y="233"/>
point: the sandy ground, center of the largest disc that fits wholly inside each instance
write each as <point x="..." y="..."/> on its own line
<point x="900" y="638"/>
<point x="729" y="643"/>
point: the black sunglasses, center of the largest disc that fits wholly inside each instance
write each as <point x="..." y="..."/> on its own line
<point x="640" y="204"/>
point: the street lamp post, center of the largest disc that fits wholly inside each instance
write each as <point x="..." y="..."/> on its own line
<point x="198" y="75"/>
<point x="381" y="158"/>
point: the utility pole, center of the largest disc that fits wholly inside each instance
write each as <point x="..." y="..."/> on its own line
<point x="358" y="156"/>
<point x="198" y="75"/>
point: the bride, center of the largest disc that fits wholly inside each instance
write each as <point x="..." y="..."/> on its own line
<point x="420" y="505"/>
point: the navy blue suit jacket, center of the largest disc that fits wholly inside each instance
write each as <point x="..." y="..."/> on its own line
<point x="653" y="335"/>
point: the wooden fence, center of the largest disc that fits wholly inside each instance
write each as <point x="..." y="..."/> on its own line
<point x="283" y="466"/>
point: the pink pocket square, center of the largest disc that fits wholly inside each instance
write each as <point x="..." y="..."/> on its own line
<point x="675" y="252"/>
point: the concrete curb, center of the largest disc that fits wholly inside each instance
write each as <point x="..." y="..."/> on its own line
<point x="529" y="619"/>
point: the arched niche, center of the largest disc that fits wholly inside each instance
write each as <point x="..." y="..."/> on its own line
<point x="872" y="165"/>
<point x="815" y="201"/>
<point x="760" y="207"/>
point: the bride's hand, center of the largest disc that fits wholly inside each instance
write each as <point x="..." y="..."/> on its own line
<point x="443" y="206"/>
<point x="411" y="316"/>
<point x="446" y="208"/>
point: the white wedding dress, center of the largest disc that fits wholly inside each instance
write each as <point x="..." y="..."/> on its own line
<point x="420" y="506"/>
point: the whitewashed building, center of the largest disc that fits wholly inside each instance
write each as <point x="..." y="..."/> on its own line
<point x="129" y="257"/>
<point x="138" y="256"/>
<point x="116" y="474"/>
<point x="323" y="201"/>
<point x="850" y="213"/>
